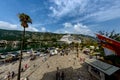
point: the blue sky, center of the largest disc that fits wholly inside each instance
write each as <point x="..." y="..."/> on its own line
<point x="62" y="16"/>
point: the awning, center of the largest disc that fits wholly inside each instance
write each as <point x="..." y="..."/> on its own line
<point x="109" y="43"/>
<point x="103" y="67"/>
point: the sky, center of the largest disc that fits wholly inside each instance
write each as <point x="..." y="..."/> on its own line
<point x="62" y="16"/>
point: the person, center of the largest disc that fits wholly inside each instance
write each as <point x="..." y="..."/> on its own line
<point x="22" y="69"/>
<point x="12" y="74"/>
<point x="57" y="68"/>
<point x="8" y="76"/>
<point x="57" y="74"/>
<point x="48" y="65"/>
<point x="62" y="75"/>
<point x="26" y="66"/>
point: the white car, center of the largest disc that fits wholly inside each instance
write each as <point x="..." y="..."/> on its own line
<point x="53" y="52"/>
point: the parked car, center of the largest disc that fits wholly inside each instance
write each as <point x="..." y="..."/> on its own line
<point x="53" y="52"/>
<point x="2" y="56"/>
<point x="36" y="53"/>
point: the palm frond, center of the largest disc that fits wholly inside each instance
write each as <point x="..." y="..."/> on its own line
<point x="24" y="19"/>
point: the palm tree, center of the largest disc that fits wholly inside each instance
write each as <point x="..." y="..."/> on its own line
<point x="24" y="19"/>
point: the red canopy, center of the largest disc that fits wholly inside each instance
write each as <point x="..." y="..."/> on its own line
<point x="109" y="43"/>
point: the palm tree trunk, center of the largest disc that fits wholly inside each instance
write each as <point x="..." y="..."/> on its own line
<point x="20" y="58"/>
<point x="77" y="49"/>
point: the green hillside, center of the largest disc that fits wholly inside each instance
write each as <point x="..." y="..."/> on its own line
<point x="14" y="35"/>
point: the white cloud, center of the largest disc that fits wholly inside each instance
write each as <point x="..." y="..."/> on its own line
<point x="77" y="28"/>
<point x="108" y="14"/>
<point x="31" y="28"/>
<point x="7" y="25"/>
<point x="63" y="7"/>
<point x="43" y="29"/>
<point x="97" y="10"/>
<point x="36" y="9"/>
<point x="111" y="13"/>
<point x="82" y="29"/>
<point x="54" y="11"/>
<point x="67" y="25"/>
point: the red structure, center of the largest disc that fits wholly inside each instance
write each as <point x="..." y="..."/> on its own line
<point x="109" y="43"/>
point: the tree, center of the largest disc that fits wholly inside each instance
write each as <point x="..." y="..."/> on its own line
<point x="113" y="58"/>
<point x="24" y="19"/>
<point x="112" y="35"/>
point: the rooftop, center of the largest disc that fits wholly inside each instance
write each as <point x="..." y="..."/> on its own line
<point x="104" y="67"/>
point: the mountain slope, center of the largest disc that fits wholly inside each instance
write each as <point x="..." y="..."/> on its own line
<point x="14" y="35"/>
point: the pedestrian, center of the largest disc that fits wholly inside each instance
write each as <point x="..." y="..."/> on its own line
<point x="26" y="66"/>
<point x="22" y="69"/>
<point x="62" y="75"/>
<point x="48" y="65"/>
<point x="57" y="68"/>
<point x="12" y="74"/>
<point x="8" y="76"/>
<point x="57" y="75"/>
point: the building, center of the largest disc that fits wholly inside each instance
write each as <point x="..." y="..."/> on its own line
<point x="3" y="42"/>
<point x="101" y="70"/>
<point x="69" y="39"/>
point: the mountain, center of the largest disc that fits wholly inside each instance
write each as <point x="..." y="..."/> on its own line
<point x="15" y="35"/>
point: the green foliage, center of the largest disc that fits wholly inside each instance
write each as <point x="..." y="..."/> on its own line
<point x="43" y="39"/>
<point x="10" y="35"/>
<point x="24" y="19"/>
<point x="112" y="35"/>
<point x="14" y="35"/>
